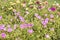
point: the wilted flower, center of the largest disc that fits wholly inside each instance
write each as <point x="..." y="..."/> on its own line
<point x="52" y="29"/>
<point x="37" y="2"/>
<point x="14" y="10"/>
<point x="3" y="35"/>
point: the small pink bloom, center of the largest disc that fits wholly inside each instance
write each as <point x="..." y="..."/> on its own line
<point x="43" y="22"/>
<point x="2" y="26"/>
<point x="21" y="19"/>
<point x="46" y="20"/>
<point x="30" y="31"/>
<point x="30" y="25"/>
<point x="3" y="35"/>
<point x="22" y="26"/>
<point x="0" y="17"/>
<point x="9" y="29"/>
<point x="37" y="16"/>
<point x="15" y="26"/>
<point x="47" y="36"/>
<point x="51" y="16"/>
<point x="8" y="25"/>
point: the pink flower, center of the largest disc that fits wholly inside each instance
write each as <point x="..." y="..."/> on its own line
<point x="37" y="16"/>
<point x="30" y="31"/>
<point x="47" y="36"/>
<point x="8" y="25"/>
<point x="0" y="17"/>
<point x="22" y="26"/>
<point x="2" y="27"/>
<point x="30" y="25"/>
<point x="9" y="29"/>
<point x="43" y="22"/>
<point x="15" y="26"/>
<point x="21" y="19"/>
<point x="46" y="20"/>
<point x="3" y="35"/>
<point x="51" y="16"/>
<point x="26" y="25"/>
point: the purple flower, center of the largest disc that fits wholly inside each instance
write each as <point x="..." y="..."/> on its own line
<point x="2" y="27"/>
<point x="3" y="35"/>
<point x="21" y="19"/>
<point x="0" y="17"/>
<point x="30" y="31"/>
<point x="46" y="20"/>
<point x="9" y="29"/>
<point x="52" y="8"/>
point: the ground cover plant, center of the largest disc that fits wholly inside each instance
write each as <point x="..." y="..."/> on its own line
<point x="29" y="20"/>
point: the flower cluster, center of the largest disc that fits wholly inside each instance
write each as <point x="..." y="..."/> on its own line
<point x="29" y="20"/>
